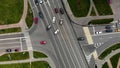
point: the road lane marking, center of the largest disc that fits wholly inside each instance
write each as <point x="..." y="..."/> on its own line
<point x="106" y="34"/>
<point x="9" y="47"/>
<point x="12" y="38"/>
<point x="88" y="35"/>
<point x="95" y="55"/>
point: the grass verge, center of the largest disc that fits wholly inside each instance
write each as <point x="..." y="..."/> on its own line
<point x="39" y="55"/>
<point x="114" y="60"/>
<point x="10" y="30"/>
<point x="79" y="8"/>
<point x="101" y="21"/>
<point x="38" y="64"/>
<point x="93" y="12"/>
<point x="10" y="11"/>
<point x="109" y="50"/>
<point x="105" y="65"/>
<point x="14" y="56"/>
<point x="103" y="7"/>
<point x="29" y="18"/>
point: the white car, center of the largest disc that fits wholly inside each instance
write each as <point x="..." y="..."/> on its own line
<point x="56" y="31"/>
<point x="98" y="32"/>
<point x="61" y="21"/>
<point x="41" y="1"/>
<point x="53" y="19"/>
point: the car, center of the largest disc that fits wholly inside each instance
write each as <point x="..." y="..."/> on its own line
<point x="36" y="20"/>
<point x="56" y="10"/>
<point x="108" y="27"/>
<point x="54" y="18"/>
<point x="98" y="32"/>
<point x="40" y="14"/>
<point x="17" y="50"/>
<point x="109" y="30"/>
<point x="61" y="21"/>
<point x="48" y="27"/>
<point x="8" y="50"/>
<point x="61" y="11"/>
<point x="43" y="42"/>
<point x="56" y="31"/>
<point x="36" y="2"/>
<point x="81" y="39"/>
<point x="41" y="1"/>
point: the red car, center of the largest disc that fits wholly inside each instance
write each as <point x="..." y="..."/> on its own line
<point x="56" y="10"/>
<point x="36" y="20"/>
<point x="43" y="42"/>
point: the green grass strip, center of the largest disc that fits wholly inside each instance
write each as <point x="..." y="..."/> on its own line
<point x="10" y="30"/>
<point x="105" y="65"/>
<point x="39" y="55"/>
<point x="114" y="60"/>
<point x="103" y="7"/>
<point x="37" y="64"/>
<point x="29" y="18"/>
<point x="109" y="50"/>
<point x="101" y="21"/>
<point x="14" y="56"/>
<point x="79" y="8"/>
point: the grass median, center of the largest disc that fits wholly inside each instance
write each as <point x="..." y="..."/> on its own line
<point x="39" y="55"/>
<point x="105" y="65"/>
<point x="10" y="30"/>
<point x="14" y="56"/>
<point x="103" y="7"/>
<point x="10" y="11"/>
<point x="37" y="64"/>
<point x="101" y="21"/>
<point x="114" y="60"/>
<point x="79" y="8"/>
<point x="109" y="50"/>
<point x="29" y="18"/>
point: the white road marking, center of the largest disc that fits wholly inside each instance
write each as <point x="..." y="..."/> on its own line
<point x="12" y="38"/>
<point x="94" y="30"/>
<point x="106" y="34"/>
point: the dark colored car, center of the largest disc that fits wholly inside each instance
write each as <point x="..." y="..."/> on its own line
<point x="56" y="10"/>
<point x="8" y="50"/>
<point x="40" y="14"/>
<point x="61" y="11"/>
<point x="81" y="39"/>
<point x="17" y="50"/>
<point x="109" y="30"/>
<point x="36" y="20"/>
<point x="108" y="27"/>
<point x="36" y="2"/>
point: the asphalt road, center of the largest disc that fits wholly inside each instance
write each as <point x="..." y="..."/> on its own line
<point x="65" y="48"/>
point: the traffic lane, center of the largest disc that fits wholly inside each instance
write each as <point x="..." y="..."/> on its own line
<point x="57" y="50"/>
<point x="107" y="45"/>
<point x="11" y="35"/>
<point x="10" y="44"/>
<point x="60" y="43"/>
<point x="9" y="41"/>
<point x="104" y="37"/>
<point x="66" y="49"/>
<point x="68" y="45"/>
<point x="77" y="47"/>
<point x="74" y="48"/>
<point x="63" y="41"/>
